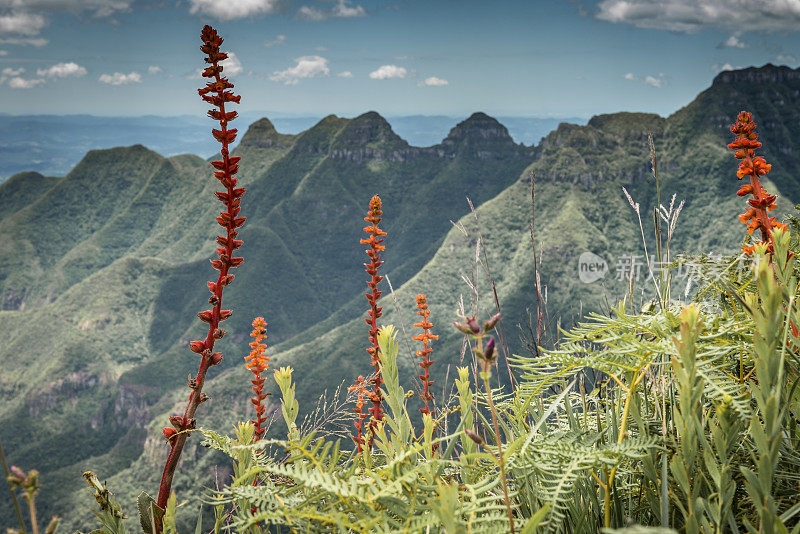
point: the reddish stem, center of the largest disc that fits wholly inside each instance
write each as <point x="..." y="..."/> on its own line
<point x="227" y="167"/>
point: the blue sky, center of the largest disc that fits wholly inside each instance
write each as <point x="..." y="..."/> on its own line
<point x="398" y="57"/>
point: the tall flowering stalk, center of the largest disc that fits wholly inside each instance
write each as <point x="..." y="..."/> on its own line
<point x="360" y="387"/>
<point x="216" y="92"/>
<point x="374" y="252"/>
<point x="425" y="337"/>
<point x="757" y="215"/>
<point x="258" y="362"/>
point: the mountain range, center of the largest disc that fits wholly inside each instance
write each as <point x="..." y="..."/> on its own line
<point x="103" y="270"/>
<point x="54" y="144"/>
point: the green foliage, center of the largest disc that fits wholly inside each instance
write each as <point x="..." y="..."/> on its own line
<point x="654" y="419"/>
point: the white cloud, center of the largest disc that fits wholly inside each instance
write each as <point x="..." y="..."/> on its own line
<point x="716" y="68"/>
<point x="34" y="41"/>
<point x="653" y="81"/>
<point x="433" y="81"/>
<point x="694" y="15"/>
<point x="101" y="8"/>
<point x="340" y="10"/>
<point x="279" y="40"/>
<point x="345" y="74"/>
<point x="786" y="58"/>
<point x="21" y="23"/>
<point x="62" y="70"/>
<point x="231" y="66"/>
<point x="385" y="72"/>
<point x="154" y="69"/>
<point x="21" y="83"/>
<point x="119" y="78"/>
<point x="8" y="71"/>
<point x="232" y="9"/>
<point x="732" y="42"/>
<point x="311" y="13"/>
<point x="307" y="67"/>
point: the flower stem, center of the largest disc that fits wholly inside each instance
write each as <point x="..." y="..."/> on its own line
<point x="229" y="220"/>
<point x="32" y="510"/>
<point x="11" y="491"/>
<point x="500" y="460"/>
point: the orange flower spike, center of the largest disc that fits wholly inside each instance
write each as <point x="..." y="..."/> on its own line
<point x="425" y="337"/>
<point x="757" y="215"/>
<point x="257" y="363"/>
<point x="360" y="387"/>
<point x="374" y="241"/>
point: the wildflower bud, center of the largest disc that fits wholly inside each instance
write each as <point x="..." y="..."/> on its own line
<point x="207" y="353"/>
<point x="216" y="358"/>
<point x="169" y="433"/>
<point x="212" y="287"/>
<point x="176" y="421"/>
<point x="488" y="353"/>
<point x="197" y="346"/>
<point x="473" y="325"/>
<point x="474" y="437"/>
<point x="203" y="398"/>
<point x="489" y="325"/>
<point x="206" y="316"/>
<point x="192" y="424"/>
<point x="32" y="481"/>
<point x="463" y="328"/>
<point x="218" y="334"/>
<point x="51" y="528"/>
<point x="224" y="314"/>
<point x="17" y="476"/>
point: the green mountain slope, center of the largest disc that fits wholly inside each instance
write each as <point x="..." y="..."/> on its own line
<point x="77" y="254"/>
<point x="117" y="294"/>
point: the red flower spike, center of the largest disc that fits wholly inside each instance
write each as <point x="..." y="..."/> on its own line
<point x="756" y="217"/>
<point x="218" y="93"/>
<point x="425" y="337"/>
<point x="373" y="252"/>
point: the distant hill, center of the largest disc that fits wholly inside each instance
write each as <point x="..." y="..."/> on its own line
<point x="102" y="271"/>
